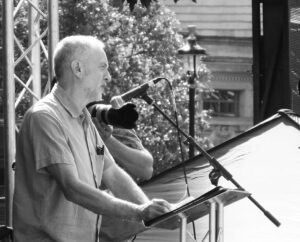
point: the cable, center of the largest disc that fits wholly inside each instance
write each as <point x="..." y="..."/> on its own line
<point x="180" y="145"/>
<point x="133" y="239"/>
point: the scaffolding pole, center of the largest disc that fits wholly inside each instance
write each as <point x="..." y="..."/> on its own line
<point x="32" y="56"/>
<point x="9" y="108"/>
<point x="53" y="36"/>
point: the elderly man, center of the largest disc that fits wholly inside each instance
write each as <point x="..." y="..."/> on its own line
<point x="61" y="159"/>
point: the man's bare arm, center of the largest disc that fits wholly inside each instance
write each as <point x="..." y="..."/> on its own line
<point x="99" y="201"/>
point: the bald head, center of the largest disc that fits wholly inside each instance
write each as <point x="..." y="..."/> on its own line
<point x="81" y="68"/>
<point x="70" y="48"/>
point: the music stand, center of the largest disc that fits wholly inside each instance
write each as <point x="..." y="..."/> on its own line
<point x="211" y="203"/>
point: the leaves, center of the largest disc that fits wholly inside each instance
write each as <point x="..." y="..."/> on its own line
<point x="145" y="3"/>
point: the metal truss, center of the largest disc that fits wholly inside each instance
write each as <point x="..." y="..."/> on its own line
<point x="17" y="55"/>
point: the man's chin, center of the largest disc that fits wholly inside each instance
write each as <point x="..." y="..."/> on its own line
<point x="97" y="97"/>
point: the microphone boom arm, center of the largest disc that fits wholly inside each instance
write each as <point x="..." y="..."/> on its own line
<point x="218" y="169"/>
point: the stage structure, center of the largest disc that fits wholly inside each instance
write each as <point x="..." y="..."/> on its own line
<point x="276" y="50"/>
<point x="15" y="54"/>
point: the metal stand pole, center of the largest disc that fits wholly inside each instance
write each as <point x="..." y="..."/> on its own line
<point x="212" y="222"/>
<point x="216" y="222"/>
<point x="220" y="222"/>
<point x="183" y="231"/>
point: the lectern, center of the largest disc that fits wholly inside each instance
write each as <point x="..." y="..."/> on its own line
<point x="212" y="203"/>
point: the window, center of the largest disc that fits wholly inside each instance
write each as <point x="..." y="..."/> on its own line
<point x="223" y="103"/>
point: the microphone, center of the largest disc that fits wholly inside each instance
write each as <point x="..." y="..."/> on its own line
<point x="140" y="90"/>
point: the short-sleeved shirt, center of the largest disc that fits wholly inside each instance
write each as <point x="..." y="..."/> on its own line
<point x="54" y="131"/>
<point x="109" y="229"/>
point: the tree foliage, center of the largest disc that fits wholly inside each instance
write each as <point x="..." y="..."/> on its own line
<point x="132" y="3"/>
<point x="141" y="44"/>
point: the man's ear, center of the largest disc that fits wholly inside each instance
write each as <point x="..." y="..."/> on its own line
<point x="77" y="68"/>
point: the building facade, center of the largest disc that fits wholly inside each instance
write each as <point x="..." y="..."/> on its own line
<point x="224" y="29"/>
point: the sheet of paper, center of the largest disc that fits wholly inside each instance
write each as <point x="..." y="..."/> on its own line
<point x="182" y="202"/>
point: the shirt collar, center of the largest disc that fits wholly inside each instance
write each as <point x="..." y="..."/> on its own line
<point x="68" y="104"/>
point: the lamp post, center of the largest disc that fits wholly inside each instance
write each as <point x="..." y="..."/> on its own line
<point x="192" y="48"/>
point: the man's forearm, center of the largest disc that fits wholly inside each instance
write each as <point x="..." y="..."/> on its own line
<point x="123" y="186"/>
<point x="90" y="197"/>
<point x="106" y="204"/>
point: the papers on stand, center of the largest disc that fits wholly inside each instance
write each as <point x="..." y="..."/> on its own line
<point x="182" y="202"/>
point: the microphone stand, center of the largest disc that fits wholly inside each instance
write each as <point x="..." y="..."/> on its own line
<point x="218" y="169"/>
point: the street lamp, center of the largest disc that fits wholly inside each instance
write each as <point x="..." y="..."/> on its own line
<point x="194" y="49"/>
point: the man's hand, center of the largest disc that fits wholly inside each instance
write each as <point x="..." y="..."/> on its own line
<point x="154" y="208"/>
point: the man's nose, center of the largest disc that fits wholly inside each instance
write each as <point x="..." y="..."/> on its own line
<point x="107" y="77"/>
